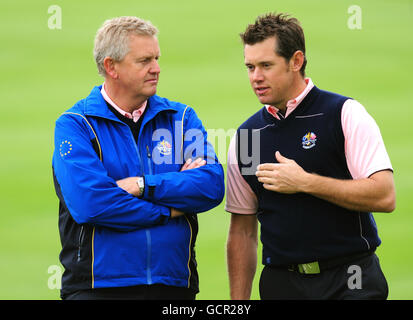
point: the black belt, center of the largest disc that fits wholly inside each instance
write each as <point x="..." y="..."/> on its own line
<point x="320" y="266"/>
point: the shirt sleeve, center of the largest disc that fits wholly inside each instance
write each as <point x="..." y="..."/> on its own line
<point x="364" y="147"/>
<point x="240" y="198"/>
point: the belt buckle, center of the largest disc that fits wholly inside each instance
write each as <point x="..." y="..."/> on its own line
<point x="309" y="268"/>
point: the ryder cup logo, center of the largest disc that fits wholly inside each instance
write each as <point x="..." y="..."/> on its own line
<point x="164" y="147"/>
<point x="309" y="140"/>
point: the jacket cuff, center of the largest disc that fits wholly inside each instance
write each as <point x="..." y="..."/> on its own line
<point x="150" y="185"/>
<point x="165" y="215"/>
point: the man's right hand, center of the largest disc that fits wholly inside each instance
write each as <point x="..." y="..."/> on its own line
<point x="189" y="164"/>
<point x="176" y="213"/>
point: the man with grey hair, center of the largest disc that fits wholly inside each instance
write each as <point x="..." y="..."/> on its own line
<point x="131" y="171"/>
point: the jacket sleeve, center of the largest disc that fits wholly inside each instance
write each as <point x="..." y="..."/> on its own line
<point x="191" y="191"/>
<point x="90" y="195"/>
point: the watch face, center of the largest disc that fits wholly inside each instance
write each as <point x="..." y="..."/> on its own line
<point x="141" y="184"/>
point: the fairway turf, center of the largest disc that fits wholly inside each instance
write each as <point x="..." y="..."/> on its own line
<point x="44" y="72"/>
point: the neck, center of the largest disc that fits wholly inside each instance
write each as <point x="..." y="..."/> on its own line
<point x="123" y="98"/>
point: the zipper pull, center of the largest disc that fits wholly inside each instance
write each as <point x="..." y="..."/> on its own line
<point x="80" y="243"/>
<point x="148" y="152"/>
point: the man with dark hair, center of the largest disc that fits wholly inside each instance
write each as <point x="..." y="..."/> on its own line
<point x="323" y="168"/>
<point x="290" y="35"/>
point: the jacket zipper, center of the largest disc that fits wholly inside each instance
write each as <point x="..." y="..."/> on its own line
<point x="148" y="153"/>
<point x="148" y="232"/>
<point x="81" y="235"/>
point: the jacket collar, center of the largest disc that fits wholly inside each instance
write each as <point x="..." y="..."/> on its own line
<point x="96" y="106"/>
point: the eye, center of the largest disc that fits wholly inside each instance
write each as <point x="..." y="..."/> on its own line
<point x="144" y="60"/>
<point x="250" y="67"/>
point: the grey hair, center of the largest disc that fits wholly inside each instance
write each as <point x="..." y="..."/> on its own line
<point x="112" y="39"/>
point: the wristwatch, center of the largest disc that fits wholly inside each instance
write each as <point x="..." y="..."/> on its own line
<point x="141" y="184"/>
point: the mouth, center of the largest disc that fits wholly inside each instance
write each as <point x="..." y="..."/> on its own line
<point x="152" y="81"/>
<point x="260" y="91"/>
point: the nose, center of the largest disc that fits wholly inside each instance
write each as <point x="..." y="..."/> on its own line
<point x="155" y="67"/>
<point x="257" y="75"/>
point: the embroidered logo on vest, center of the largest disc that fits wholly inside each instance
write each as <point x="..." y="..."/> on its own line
<point x="309" y="140"/>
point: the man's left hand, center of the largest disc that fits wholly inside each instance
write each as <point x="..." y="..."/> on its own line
<point x="129" y="185"/>
<point x="284" y="177"/>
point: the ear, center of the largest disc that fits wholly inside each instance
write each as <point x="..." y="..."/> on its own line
<point x="296" y="61"/>
<point x="109" y="65"/>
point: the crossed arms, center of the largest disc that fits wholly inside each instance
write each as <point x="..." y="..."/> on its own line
<point x="93" y="197"/>
<point x="129" y="184"/>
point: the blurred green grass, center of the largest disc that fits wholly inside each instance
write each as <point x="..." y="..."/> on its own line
<point x="44" y="72"/>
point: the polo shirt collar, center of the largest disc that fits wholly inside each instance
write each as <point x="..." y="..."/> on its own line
<point x="291" y="104"/>
<point x="95" y="105"/>
<point x="135" y="115"/>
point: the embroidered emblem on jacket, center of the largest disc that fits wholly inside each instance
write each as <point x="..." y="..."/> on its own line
<point x="65" y="148"/>
<point x="164" y="147"/>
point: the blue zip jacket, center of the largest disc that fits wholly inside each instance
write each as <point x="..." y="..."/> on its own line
<point x="109" y="237"/>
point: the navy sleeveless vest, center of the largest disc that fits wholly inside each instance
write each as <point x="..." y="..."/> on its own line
<point x="301" y="228"/>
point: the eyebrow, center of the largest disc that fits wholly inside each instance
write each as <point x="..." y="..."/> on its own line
<point x="259" y="63"/>
<point x="149" y="56"/>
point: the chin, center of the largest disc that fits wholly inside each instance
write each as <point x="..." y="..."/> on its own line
<point x="150" y="93"/>
<point x="264" y="100"/>
<point x="269" y="100"/>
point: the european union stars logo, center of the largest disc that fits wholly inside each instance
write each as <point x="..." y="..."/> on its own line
<point x="65" y="148"/>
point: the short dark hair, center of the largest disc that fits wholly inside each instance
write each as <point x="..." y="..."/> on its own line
<point x="287" y="30"/>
